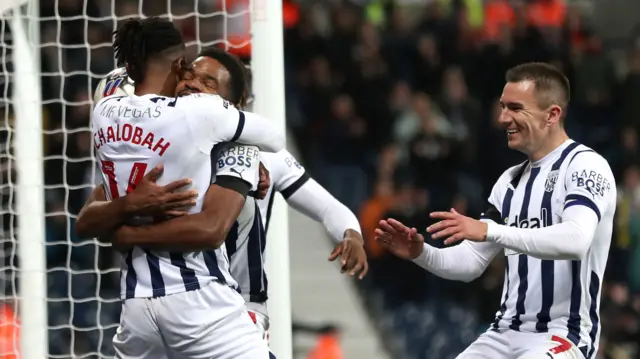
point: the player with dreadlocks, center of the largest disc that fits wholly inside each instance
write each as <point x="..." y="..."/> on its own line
<point x="217" y="71"/>
<point x="178" y="296"/>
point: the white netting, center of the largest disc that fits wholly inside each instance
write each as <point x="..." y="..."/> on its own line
<point x="83" y="304"/>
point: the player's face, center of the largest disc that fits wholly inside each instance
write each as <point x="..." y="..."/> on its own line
<point x="525" y="122"/>
<point x="204" y="75"/>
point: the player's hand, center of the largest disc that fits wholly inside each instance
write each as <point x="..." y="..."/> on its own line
<point x="400" y="240"/>
<point x="454" y="227"/>
<point x="149" y="199"/>
<point x="352" y="255"/>
<point x="264" y="183"/>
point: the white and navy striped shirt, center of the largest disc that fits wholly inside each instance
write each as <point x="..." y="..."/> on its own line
<point x="134" y="134"/>
<point x="246" y="243"/>
<point x="557" y="296"/>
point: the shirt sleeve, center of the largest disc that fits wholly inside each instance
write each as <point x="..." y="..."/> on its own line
<point x="288" y="174"/>
<point x="214" y="120"/>
<point x="468" y="260"/>
<point x="238" y="161"/>
<point x="590" y="183"/>
<point x="465" y="262"/>
<point x="315" y="202"/>
<point x="590" y="192"/>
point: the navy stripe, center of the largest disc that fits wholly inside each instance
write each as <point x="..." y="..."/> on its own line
<point x="575" y="144"/>
<point x="255" y="248"/>
<point x="271" y="356"/>
<point x="240" y="127"/>
<point x="211" y="261"/>
<point x="503" y="307"/>
<point x="573" y="323"/>
<point x="580" y="200"/>
<point x="157" y="283"/>
<point x="231" y="242"/>
<point x="547" y="267"/>
<point x="506" y="210"/>
<point x="131" y="280"/>
<point x="523" y="259"/>
<point x="188" y="275"/>
<point x="269" y="209"/>
<point x="594" y="289"/>
<point x="287" y="192"/>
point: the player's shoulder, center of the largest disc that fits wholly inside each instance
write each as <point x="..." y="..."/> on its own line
<point x="512" y="173"/>
<point x="208" y="102"/>
<point x="115" y="83"/>
<point x="584" y="156"/>
<point x="282" y="160"/>
<point x="233" y="154"/>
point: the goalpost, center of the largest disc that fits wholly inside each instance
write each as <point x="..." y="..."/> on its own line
<point x="76" y="325"/>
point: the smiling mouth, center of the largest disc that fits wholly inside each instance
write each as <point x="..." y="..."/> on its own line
<point x="511" y="132"/>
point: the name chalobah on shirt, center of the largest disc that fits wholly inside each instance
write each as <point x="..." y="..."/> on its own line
<point x="237" y="156"/>
<point x="132" y="134"/>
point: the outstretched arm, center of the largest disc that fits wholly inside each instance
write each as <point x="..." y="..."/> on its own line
<point x="464" y="262"/>
<point x="590" y="195"/>
<point x="315" y="202"/>
<point x="214" y="120"/>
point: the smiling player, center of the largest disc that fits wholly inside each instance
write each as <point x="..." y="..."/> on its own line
<point x="551" y="215"/>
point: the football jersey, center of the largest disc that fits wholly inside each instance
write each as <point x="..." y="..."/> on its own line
<point x="134" y="134"/>
<point x="246" y="243"/>
<point x="557" y="296"/>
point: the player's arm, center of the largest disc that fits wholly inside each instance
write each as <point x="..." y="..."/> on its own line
<point x="308" y="197"/>
<point x="205" y="230"/>
<point x="216" y="120"/>
<point x="591" y="193"/>
<point x="466" y="261"/>
<point x="99" y="216"/>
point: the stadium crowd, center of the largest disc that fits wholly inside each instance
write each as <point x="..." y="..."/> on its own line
<point x="394" y="110"/>
<point x="398" y="109"/>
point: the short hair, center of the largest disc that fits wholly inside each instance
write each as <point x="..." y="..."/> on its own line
<point x="137" y="41"/>
<point x="239" y="77"/>
<point x="551" y="85"/>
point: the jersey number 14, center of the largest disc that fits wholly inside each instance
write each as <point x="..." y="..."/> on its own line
<point x="136" y="175"/>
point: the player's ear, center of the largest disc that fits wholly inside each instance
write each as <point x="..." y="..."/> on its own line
<point x="554" y="115"/>
<point x="178" y="65"/>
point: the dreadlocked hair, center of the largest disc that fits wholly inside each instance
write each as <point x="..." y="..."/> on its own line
<point x="239" y="77"/>
<point x="138" y="40"/>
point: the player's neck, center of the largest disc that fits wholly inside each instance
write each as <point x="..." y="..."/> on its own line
<point x="152" y="85"/>
<point x="552" y="142"/>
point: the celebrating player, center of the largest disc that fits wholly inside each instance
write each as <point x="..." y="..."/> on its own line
<point x="194" y="312"/>
<point x="217" y="70"/>
<point x="552" y="215"/>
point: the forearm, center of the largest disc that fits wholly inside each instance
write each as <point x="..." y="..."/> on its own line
<point x="464" y="262"/>
<point x="187" y="233"/>
<point x="569" y="240"/>
<point x="99" y="217"/>
<point x="317" y="203"/>
<point x="258" y="131"/>
<point x="200" y="231"/>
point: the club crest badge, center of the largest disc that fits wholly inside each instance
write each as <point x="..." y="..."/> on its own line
<point x="552" y="178"/>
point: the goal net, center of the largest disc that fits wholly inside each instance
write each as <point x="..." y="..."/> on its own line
<point x="82" y="291"/>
